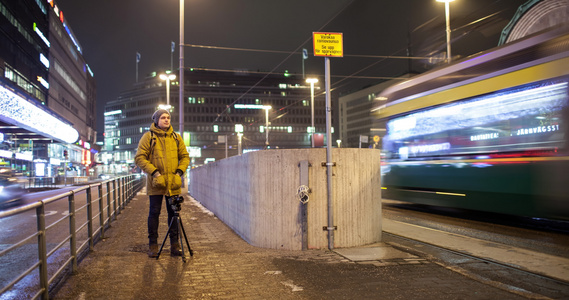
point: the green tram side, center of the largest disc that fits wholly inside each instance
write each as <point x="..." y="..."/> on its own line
<point x="489" y="132"/>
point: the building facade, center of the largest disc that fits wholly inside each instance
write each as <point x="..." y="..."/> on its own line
<point x="47" y="92"/>
<point x="215" y="103"/>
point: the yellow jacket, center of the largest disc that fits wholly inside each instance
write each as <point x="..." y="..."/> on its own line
<point x="167" y="155"/>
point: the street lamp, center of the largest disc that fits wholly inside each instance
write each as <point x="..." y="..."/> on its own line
<point x="181" y="84"/>
<point x="166" y="107"/>
<point x="447" y="14"/>
<point x="312" y="81"/>
<point x="266" y="108"/>
<point x="167" y="77"/>
<point x="258" y="106"/>
<point x="239" y="147"/>
<point x="239" y="130"/>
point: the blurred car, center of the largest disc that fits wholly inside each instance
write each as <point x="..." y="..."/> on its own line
<point x="11" y="188"/>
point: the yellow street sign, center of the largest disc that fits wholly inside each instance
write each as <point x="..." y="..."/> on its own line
<point x="376" y="138"/>
<point x="329" y="44"/>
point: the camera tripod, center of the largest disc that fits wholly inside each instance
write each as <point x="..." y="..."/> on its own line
<point x="177" y="221"/>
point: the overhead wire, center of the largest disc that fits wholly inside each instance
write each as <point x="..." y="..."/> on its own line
<point x="266" y="72"/>
<point x="337" y="84"/>
<point x="279" y="64"/>
<point x="299" y="53"/>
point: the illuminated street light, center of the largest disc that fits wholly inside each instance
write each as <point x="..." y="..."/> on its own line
<point x="312" y="81"/>
<point x="167" y="77"/>
<point x="447" y="14"/>
<point x="258" y="106"/>
<point x="166" y="107"/>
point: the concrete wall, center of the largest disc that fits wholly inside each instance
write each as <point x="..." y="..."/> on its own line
<point x="255" y="195"/>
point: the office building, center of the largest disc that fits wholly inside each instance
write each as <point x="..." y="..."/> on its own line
<point x="215" y="105"/>
<point x="47" y="92"/>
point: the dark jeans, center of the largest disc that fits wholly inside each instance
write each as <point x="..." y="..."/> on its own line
<point x="153" y="219"/>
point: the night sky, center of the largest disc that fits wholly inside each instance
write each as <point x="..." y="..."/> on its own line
<point x="111" y="32"/>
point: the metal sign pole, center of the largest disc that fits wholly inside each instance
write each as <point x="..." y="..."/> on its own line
<point x="328" y="44"/>
<point x="329" y="153"/>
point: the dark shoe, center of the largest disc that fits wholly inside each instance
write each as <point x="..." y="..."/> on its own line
<point x="175" y="250"/>
<point x="153" y="250"/>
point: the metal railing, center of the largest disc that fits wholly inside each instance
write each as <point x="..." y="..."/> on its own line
<point x="39" y="182"/>
<point x="59" y="259"/>
<point x="53" y="182"/>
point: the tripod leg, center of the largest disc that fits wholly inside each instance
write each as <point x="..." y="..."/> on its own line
<point x="179" y="222"/>
<point x="186" y="238"/>
<point x="165" y="237"/>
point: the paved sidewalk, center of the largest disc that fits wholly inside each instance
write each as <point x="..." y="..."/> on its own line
<point x="226" y="267"/>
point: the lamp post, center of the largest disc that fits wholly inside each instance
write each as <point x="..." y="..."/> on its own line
<point x="181" y="85"/>
<point x="447" y="15"/>
<point x="258" y="106"/>
<point x="239" y="130"/>
<point x="312" y="81"/>
<point x="239" y="149"/>
<point x="167" y="77"/>
<point x="267" y="123"/>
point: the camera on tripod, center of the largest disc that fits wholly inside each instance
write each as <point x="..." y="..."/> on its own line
<point x="176" y="202"/>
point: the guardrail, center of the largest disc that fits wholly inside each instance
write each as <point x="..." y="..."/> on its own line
<point x="39" y="182"/>
<point x="52" y="182"/>
<point x="55" y="263"/>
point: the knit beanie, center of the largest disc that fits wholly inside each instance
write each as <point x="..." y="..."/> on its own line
<point x="157" y="114"/>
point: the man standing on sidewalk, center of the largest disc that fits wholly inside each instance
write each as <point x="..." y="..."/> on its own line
<point x="162" y="155"/>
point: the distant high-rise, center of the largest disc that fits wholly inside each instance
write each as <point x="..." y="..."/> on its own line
<point x="214" y="103"/>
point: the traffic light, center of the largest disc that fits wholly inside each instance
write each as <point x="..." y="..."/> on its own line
<point x="65" y="154"/>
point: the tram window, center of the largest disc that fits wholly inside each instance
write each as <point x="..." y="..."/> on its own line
<point x="523" y="118"/>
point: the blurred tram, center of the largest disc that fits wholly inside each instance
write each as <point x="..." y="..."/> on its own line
<point x="488" y="132"/>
